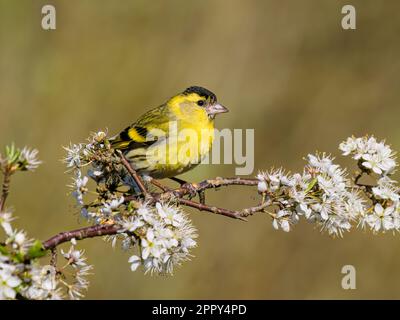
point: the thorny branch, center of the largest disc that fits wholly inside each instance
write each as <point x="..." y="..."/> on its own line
<point x="80" y="234"/>
<point x="133" y="174"/>
<point x="167" y="194"/>
<point x="177" y="194"/>
<point x="5" y="188"/>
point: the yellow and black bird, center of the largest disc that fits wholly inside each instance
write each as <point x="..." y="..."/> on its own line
<point x="172" y="138"/>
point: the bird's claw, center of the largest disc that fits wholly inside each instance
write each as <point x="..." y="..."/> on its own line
<point x="190" y="189"/>
<point x="193" y="191"/>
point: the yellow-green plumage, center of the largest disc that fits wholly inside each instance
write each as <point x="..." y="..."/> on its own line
<point x="172" y="138"/>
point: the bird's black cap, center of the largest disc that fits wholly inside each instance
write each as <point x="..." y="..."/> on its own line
<point x="203" y="92"/>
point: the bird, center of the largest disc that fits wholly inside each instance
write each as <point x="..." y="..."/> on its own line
<point x="173" y="138"/>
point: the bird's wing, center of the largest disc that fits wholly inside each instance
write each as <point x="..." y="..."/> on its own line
<point x="147" y="130"/>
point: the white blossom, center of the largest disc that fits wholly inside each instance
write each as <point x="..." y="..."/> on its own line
<point x="135" y="262"/>
<point x="170" y="215"/>
<point x="322" y="194"/>
<point x="19" y="241"/>
<point x="75" y="257"/>
<point x="5" y="222"/>
<point x="29" y="159"/>
<point x="386" y="189"/>
<point x="8" y="281"/>
<point x="167" y="241"/>
<point x="43" y="284"/>
<point x="151" y="246"/>
<point x="132" y="223"/>
<point x="73" y="157"/>
<point x="281" y="221"/>
<point x="81" y="284"/>
<point x="109" y="207"/>
<point x="262" y="184"/>
<point x="349" y="146"/>
<point x="373" y="155"/>
<point x="372" y="161"/>
<point x="381" y="219"/>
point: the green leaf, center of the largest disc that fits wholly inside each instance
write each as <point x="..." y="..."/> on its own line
<point x="12" y="153"/>
<point x="3" y="250"/>
<point x="19" y="257"/>
<point x="37" y="250"/>
<point x="131" y="207"/>
<point x="311" y="184"/>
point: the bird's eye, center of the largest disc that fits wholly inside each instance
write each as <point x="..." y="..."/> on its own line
<point x="200" y="103"/>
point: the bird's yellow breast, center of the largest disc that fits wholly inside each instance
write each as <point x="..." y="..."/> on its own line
<point x="191" y="142"/>
<point x="189" y="139"/>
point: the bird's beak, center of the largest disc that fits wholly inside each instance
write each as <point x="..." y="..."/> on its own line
<point x="215" y="109"/>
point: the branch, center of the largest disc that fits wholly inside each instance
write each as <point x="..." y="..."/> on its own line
<point x="216" y="210"/>
<point x="212" y="184"/>
<point x="5" y="188"/>
<point x="133" y="173"/>
<point x="193" y="188"/>
<point x="80" y="234"/>
<point x="168" y="194"/>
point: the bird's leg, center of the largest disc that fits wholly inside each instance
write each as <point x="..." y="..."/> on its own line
<point x="202" y="196"/>
<point x="192" y="190"/>
<point x="187" y="186"/>
<point x="180" y="181"/>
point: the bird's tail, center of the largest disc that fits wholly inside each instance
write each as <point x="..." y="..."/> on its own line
<point x="131" y="183"/>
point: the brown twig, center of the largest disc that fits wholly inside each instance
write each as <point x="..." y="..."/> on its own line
<point x="189" y="188"/>
<point x="260" y="208"/>
<point x="103" y="230"/>
<point x="159" y="185"/>
<point x="133" y="173"/>
<point x="216" y="210"/>
<point x="165" y="195"/>
<point x="79" y="234"/>
<point x="5" y="188"/>
<point x="168" y="194"/>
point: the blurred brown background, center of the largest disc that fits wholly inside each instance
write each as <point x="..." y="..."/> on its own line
<point x="285" y="68"/>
